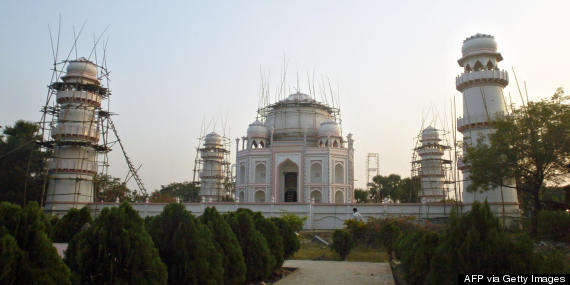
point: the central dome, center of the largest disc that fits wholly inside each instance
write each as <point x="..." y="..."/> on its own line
<point x="299" y="97"/>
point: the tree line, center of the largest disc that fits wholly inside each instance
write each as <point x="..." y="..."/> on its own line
<point x="120" y="247"/>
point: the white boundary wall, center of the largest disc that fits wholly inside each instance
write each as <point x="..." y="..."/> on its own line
<point x="320" y="216"/>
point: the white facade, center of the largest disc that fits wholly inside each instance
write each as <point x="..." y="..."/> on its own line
<point x="482" y="86"/>
<point x="297" y="154"/>
<point x="432" y="171"/>
<point x="76" y="135"/>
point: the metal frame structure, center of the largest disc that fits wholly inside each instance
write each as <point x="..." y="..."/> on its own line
<point x="101" y="121"/>
<point x="372" y="166"/>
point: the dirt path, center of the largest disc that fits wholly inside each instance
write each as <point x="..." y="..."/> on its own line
<point x="337" y="272"/>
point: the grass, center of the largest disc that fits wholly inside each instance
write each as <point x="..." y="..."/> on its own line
<point x="314" y="251"/>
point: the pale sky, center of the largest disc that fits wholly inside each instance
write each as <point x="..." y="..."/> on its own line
<point x="174" y="63"/>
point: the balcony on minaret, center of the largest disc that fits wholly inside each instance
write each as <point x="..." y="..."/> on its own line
<point x="468" y="79"/>
<point x="475" y="121"/>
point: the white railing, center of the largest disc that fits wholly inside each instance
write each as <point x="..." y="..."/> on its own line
<point x="481" y="75"/>
<point x="82" y="95"/>
<point x="75" y="130"/>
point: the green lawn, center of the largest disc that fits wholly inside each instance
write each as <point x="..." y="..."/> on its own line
<point x="314" y="251"/>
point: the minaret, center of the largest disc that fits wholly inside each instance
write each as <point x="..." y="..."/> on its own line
<point x="76" y="137"/>
<point x="432" y="171"/>
<point x="212" y="174"/>
<point x="482" y="86"/>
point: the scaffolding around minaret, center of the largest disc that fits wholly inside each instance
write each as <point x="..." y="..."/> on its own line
<point x="213" y="167"/>
<point x="74" y="130"/>
<point x="431" y="166"/>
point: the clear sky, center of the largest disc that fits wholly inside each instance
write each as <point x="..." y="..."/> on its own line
<point x="174" y="63"/>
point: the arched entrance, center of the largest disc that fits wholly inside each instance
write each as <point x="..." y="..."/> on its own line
<point x="288" y="181"/>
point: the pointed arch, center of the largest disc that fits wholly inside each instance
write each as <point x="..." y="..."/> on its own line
<point x="316" y="172"/>
<point x="316" y="196"/>
<point x="339" y="173"/>
<point x="490" y="65"/>
<point x="260" y="171"/>
<point x="339" y="197"/>
<point x="242" y="174"/>
<point x="259" y="196"/>
<point x="288" y="172"/>
<point x="478" y="66"/>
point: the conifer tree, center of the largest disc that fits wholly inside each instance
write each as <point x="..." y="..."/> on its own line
<point x="116" y="249"/>
<point x="290" y="241"/>
<point x="273" y="238"/>
<point x="70" y="224"/>
<point x="227" y="243"/>
<point x="187" y="247"/>
<point x="27" y="255"/>
<point x="475" y="242"/>
<point x="258" y="258"/>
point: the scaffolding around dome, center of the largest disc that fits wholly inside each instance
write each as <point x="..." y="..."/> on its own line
<point x="295" y="152"/>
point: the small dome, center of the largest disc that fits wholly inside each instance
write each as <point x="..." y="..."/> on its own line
<point x="213" y="139"/>
<point x="479" y="43"/>
<point x="81" y="68"/>
<point x="329" y="128"/>
<point x="257" y="130"/>
<point x="299" y="97"/>
<point x="430" y="133"/>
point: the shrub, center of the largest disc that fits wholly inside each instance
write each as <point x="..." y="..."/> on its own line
<point x="359" y="230"/>
<point x="389" y="234"/>
<point x="273" y="238"/>
<point x="290" y="240"/>
<point x="419" y="250"/>
<point x="554" y="225"/>
<point x="475" y="242"/>
<point x="116" y="249"/>
<point x="70" y="224"/>
<point x="294" y="221"/>
<point x="258" y="258"/>
<point x="186" y="247"/>
<point x="27" y="255"/>
<point x="227" y="243"/>
<point x="342" y="243"/>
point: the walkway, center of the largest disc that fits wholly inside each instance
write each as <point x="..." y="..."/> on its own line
<point x="337" y="272"/>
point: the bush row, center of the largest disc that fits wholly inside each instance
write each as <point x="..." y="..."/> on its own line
<point x="472" y="242"/>
<point x="119" y="247"/>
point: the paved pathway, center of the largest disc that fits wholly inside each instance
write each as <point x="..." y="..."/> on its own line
<point x="337" y="272"/>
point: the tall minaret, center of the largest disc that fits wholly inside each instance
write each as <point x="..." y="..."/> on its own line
<point x="76" y="137"/>
<point x="482" y="86"/>
<point x="212" y="174"/>
<point x="432" y="171"/>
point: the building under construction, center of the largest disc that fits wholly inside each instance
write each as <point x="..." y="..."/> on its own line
<point x="74" y="130"/>
<point x="213" y="167"/>
<point x="73" y="126"/>
<point x="429" y="164"/>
